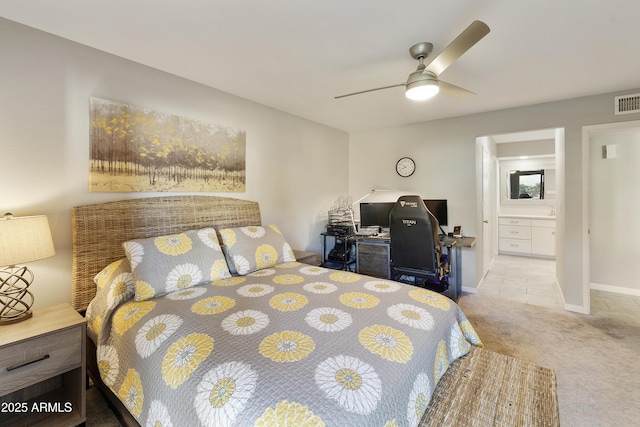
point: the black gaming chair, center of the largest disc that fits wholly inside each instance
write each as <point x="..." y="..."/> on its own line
<point x="416" y="252"/>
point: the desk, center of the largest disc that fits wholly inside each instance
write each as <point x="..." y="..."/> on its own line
<point x="458" y="243"/>
<point x="340" y="256"/>
<point x="373" y="258"/>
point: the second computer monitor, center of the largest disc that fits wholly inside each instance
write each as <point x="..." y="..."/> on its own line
<point x="377" y="214"/>
<point x="438" y="207"/>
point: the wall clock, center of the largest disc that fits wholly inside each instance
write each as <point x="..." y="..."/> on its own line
<point x="405" y="167"/>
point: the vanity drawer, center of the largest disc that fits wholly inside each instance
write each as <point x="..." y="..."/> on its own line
<point x="514" y="232"/>
<point x="39" y="358"/>
<point x="515" y="221"/>
<point x="514" y="245"/>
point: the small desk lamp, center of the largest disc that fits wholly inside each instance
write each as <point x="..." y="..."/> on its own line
<point x="22" y="239"/>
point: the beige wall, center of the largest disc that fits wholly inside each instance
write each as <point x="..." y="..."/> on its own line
<point x="45" y="86"/>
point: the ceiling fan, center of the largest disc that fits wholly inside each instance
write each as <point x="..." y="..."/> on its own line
<point x="424" y="82"/>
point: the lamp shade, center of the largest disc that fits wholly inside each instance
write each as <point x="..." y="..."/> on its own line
<point x="24" y="239"/>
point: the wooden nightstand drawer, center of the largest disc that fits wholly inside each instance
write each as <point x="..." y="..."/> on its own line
<point x="42" y="363"/>
<point x="28" y="362"/>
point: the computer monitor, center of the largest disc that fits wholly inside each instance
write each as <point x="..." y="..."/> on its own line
<point x="375" y="214"/>
<point x="438" y="207"/>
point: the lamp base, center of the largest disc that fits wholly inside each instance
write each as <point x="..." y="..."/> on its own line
<point x="16" y="319"/>
<point x="15" y="299"/>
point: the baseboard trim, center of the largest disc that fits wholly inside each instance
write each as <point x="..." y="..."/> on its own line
<point x="577" y="308"/>
<point x="469" y="290"/>
<point x="615" y="289"/>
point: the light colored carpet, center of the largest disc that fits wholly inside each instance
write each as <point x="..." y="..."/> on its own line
<point x="595" y="358"/>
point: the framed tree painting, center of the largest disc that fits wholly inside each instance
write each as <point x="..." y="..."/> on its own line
<point x="134" y="149"/>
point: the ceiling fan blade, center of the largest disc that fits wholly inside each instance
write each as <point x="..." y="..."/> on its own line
<point x="469" y="37"/>
<point x="369" y="90"/>
<point x="454" y="91"/>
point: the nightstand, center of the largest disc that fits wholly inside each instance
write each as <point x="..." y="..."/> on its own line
<point x="306" y="257"/>
<point x="42" y="369"/>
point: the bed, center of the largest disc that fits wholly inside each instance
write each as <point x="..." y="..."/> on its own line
<point x="253" y="337"/>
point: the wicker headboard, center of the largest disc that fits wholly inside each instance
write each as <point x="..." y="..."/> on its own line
<point x="100" y="229"/>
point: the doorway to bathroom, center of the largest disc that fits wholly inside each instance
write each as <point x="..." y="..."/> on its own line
<point x="522" y="216"/>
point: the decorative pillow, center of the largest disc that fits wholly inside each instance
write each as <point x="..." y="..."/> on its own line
<point x="254" y="248"/>
<point x="115" y="286"/>
<point x="165" y="264"/>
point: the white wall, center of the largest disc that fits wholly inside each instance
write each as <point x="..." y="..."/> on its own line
<point x="615" y="211"/>
<point x="446" y="167"/>
<point x="295" y="168"/>
<point x="46" y="83"/>
<point x="540" y="147"/>
<point x="373" y="156"/>
<point x="528" y="207"/>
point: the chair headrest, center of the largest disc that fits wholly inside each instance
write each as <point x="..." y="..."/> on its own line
<point x="411" y="207"/>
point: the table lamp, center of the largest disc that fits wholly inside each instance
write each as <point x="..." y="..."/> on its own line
<point x="22" y="239"/>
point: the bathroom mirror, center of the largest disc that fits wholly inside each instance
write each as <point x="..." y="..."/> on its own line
<point x="531" y="181"/>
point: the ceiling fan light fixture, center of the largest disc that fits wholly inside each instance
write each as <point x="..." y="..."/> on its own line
<point x="421" y="90"/>
<point x="423" y="83"/>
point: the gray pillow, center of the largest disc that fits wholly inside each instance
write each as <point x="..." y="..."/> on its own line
<point x="164" y="264"/>
<point x="255" y="247"/>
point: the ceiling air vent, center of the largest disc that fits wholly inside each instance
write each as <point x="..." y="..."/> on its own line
<point x="627" y="104"/>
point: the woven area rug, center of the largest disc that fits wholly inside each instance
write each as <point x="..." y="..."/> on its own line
<point x="490" y="389"/>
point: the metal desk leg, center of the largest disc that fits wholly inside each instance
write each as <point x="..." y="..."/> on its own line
<point x="458" y="277"/>
<point x="455" y="275"/>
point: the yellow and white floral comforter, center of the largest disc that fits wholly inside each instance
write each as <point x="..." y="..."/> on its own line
<point x="292" y="345"/>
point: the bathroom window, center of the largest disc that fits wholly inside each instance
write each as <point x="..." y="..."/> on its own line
<point x="526" y="184"/>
